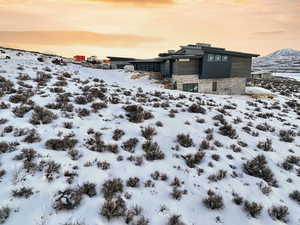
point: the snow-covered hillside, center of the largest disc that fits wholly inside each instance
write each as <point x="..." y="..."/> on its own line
<point x="281" y="61"/>
<point x="86" y="146"/>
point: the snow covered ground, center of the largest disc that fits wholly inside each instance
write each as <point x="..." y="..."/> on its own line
<point x="206" y="175"/>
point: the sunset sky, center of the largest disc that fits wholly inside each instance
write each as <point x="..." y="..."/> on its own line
<point x="143" y="28"/>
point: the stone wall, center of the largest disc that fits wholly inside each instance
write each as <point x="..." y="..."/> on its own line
<point x="226" y="86"/>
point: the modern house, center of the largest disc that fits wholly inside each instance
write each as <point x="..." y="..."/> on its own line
<point x="202" y="68"/>
<point x="119" y="62"/>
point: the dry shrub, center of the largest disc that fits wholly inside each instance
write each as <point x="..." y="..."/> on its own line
<point x="220" y="175"/>
<point x="89" y="189"/>
<point x="279" y="213"/>
<point x="152" y="151"/>
<point x="257" y="167"/>
<point x="175" y="220"/>
<point x="113" y="208"/>
<point x="213" y="201"/>
<point x="229" y="131"/>
<point x="20" y="111"/>
<point x="32" y="137"/>
<point x="137" y="114"/>
<point x="22" y="192"/>
<point x="111" y="187"/>
<point x="295" y="195"/>
<point x="287" y="135"/>
<point x="185" y="140"/>
<point x="252" y="208"/>
<point x="193" y="160"/>
<point x="118" y="134"/>
<point x="196" y="108"/>
<point x="133" y="182"/>
<point x="67" y="200"/>
<point x="97" y="144"/>
<point x="148" y="132"/>
<point x="42" y="116"/>
<point x="61" y="144"/>
<point x="130" y="144"/>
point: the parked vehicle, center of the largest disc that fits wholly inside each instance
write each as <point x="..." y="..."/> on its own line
<point x="93" y="60"/>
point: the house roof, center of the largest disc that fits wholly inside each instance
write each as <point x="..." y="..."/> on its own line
<point x="116" y="58"/>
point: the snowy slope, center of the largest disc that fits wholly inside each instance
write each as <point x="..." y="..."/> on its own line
<point x="281" y="61"/>
<point x="216" y="160"/>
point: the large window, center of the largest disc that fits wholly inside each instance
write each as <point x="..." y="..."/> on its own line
<point x="224" y="58"/>
<point x="217" y="58"/>
<point x="192" y="87"/>
<point x="211" y="58"/>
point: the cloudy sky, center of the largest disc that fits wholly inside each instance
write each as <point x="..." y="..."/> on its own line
<point x="142" y="28"/>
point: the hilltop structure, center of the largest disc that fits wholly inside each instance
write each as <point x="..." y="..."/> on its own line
<point x="201" y="68"/>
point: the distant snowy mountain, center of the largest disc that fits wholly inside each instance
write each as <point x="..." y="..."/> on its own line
<point x="281" y="61"/>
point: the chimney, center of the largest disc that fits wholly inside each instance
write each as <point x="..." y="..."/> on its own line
<point x="203" y="45"/>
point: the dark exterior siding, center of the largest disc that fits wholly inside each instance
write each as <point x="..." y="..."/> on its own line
<point x="241" y="67"/>
<point x="148" y="66"/>
<point x="186" y="68"/>
<point x="215" y="69"/>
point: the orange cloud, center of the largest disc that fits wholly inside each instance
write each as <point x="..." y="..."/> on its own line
<point x="62" y="38"/>
<point x="137" y="2"/>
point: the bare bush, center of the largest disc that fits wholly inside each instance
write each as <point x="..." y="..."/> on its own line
<point x="295" y="195"/>
<point x="111" y="187"/>
<point x="96" y="144"/>
<point x="257" y="167"/>
<point x="148" y="132"/>
<point x="41" y="116"/>
<point x="113" y="208"/>
<point x="20" y="111"/>
<point x="265" y="145"/>
<point x="252" y="208"/>
<point x="118" y="134"/>
<point x="229" y="131"/>
<point x="61" y="144"/>
<point x="137" y="114"/>
<point x="287" y="135"/>
<point x="133" y="182"/>
<point x="22" y="192"/>
<point x="196" y="108"/>
<point x="130" y="144"/>
<point x="175" y="220"/>
<point x="279" y="213"/>
<point x="32" y="137"/>
<point x="220" y="175"/>
<point x="213" y="201"/>
<point x="185" y="140"/>
<point x="68" y="199"/>
<point x="152" y="151"/>
<point x="193" y="160"/>
<point x="89" y="189"/>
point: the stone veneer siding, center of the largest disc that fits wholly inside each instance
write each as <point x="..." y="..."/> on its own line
<point x="226" y="86"/>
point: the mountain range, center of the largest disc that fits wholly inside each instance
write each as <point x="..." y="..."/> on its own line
<point x="281" y="61"/>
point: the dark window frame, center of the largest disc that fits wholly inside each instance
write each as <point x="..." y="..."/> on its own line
<point x="214" y="86"/>
<point x="225" y="58"/>
<point x="218" y="58"/>
<point x="211" y="58"/>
